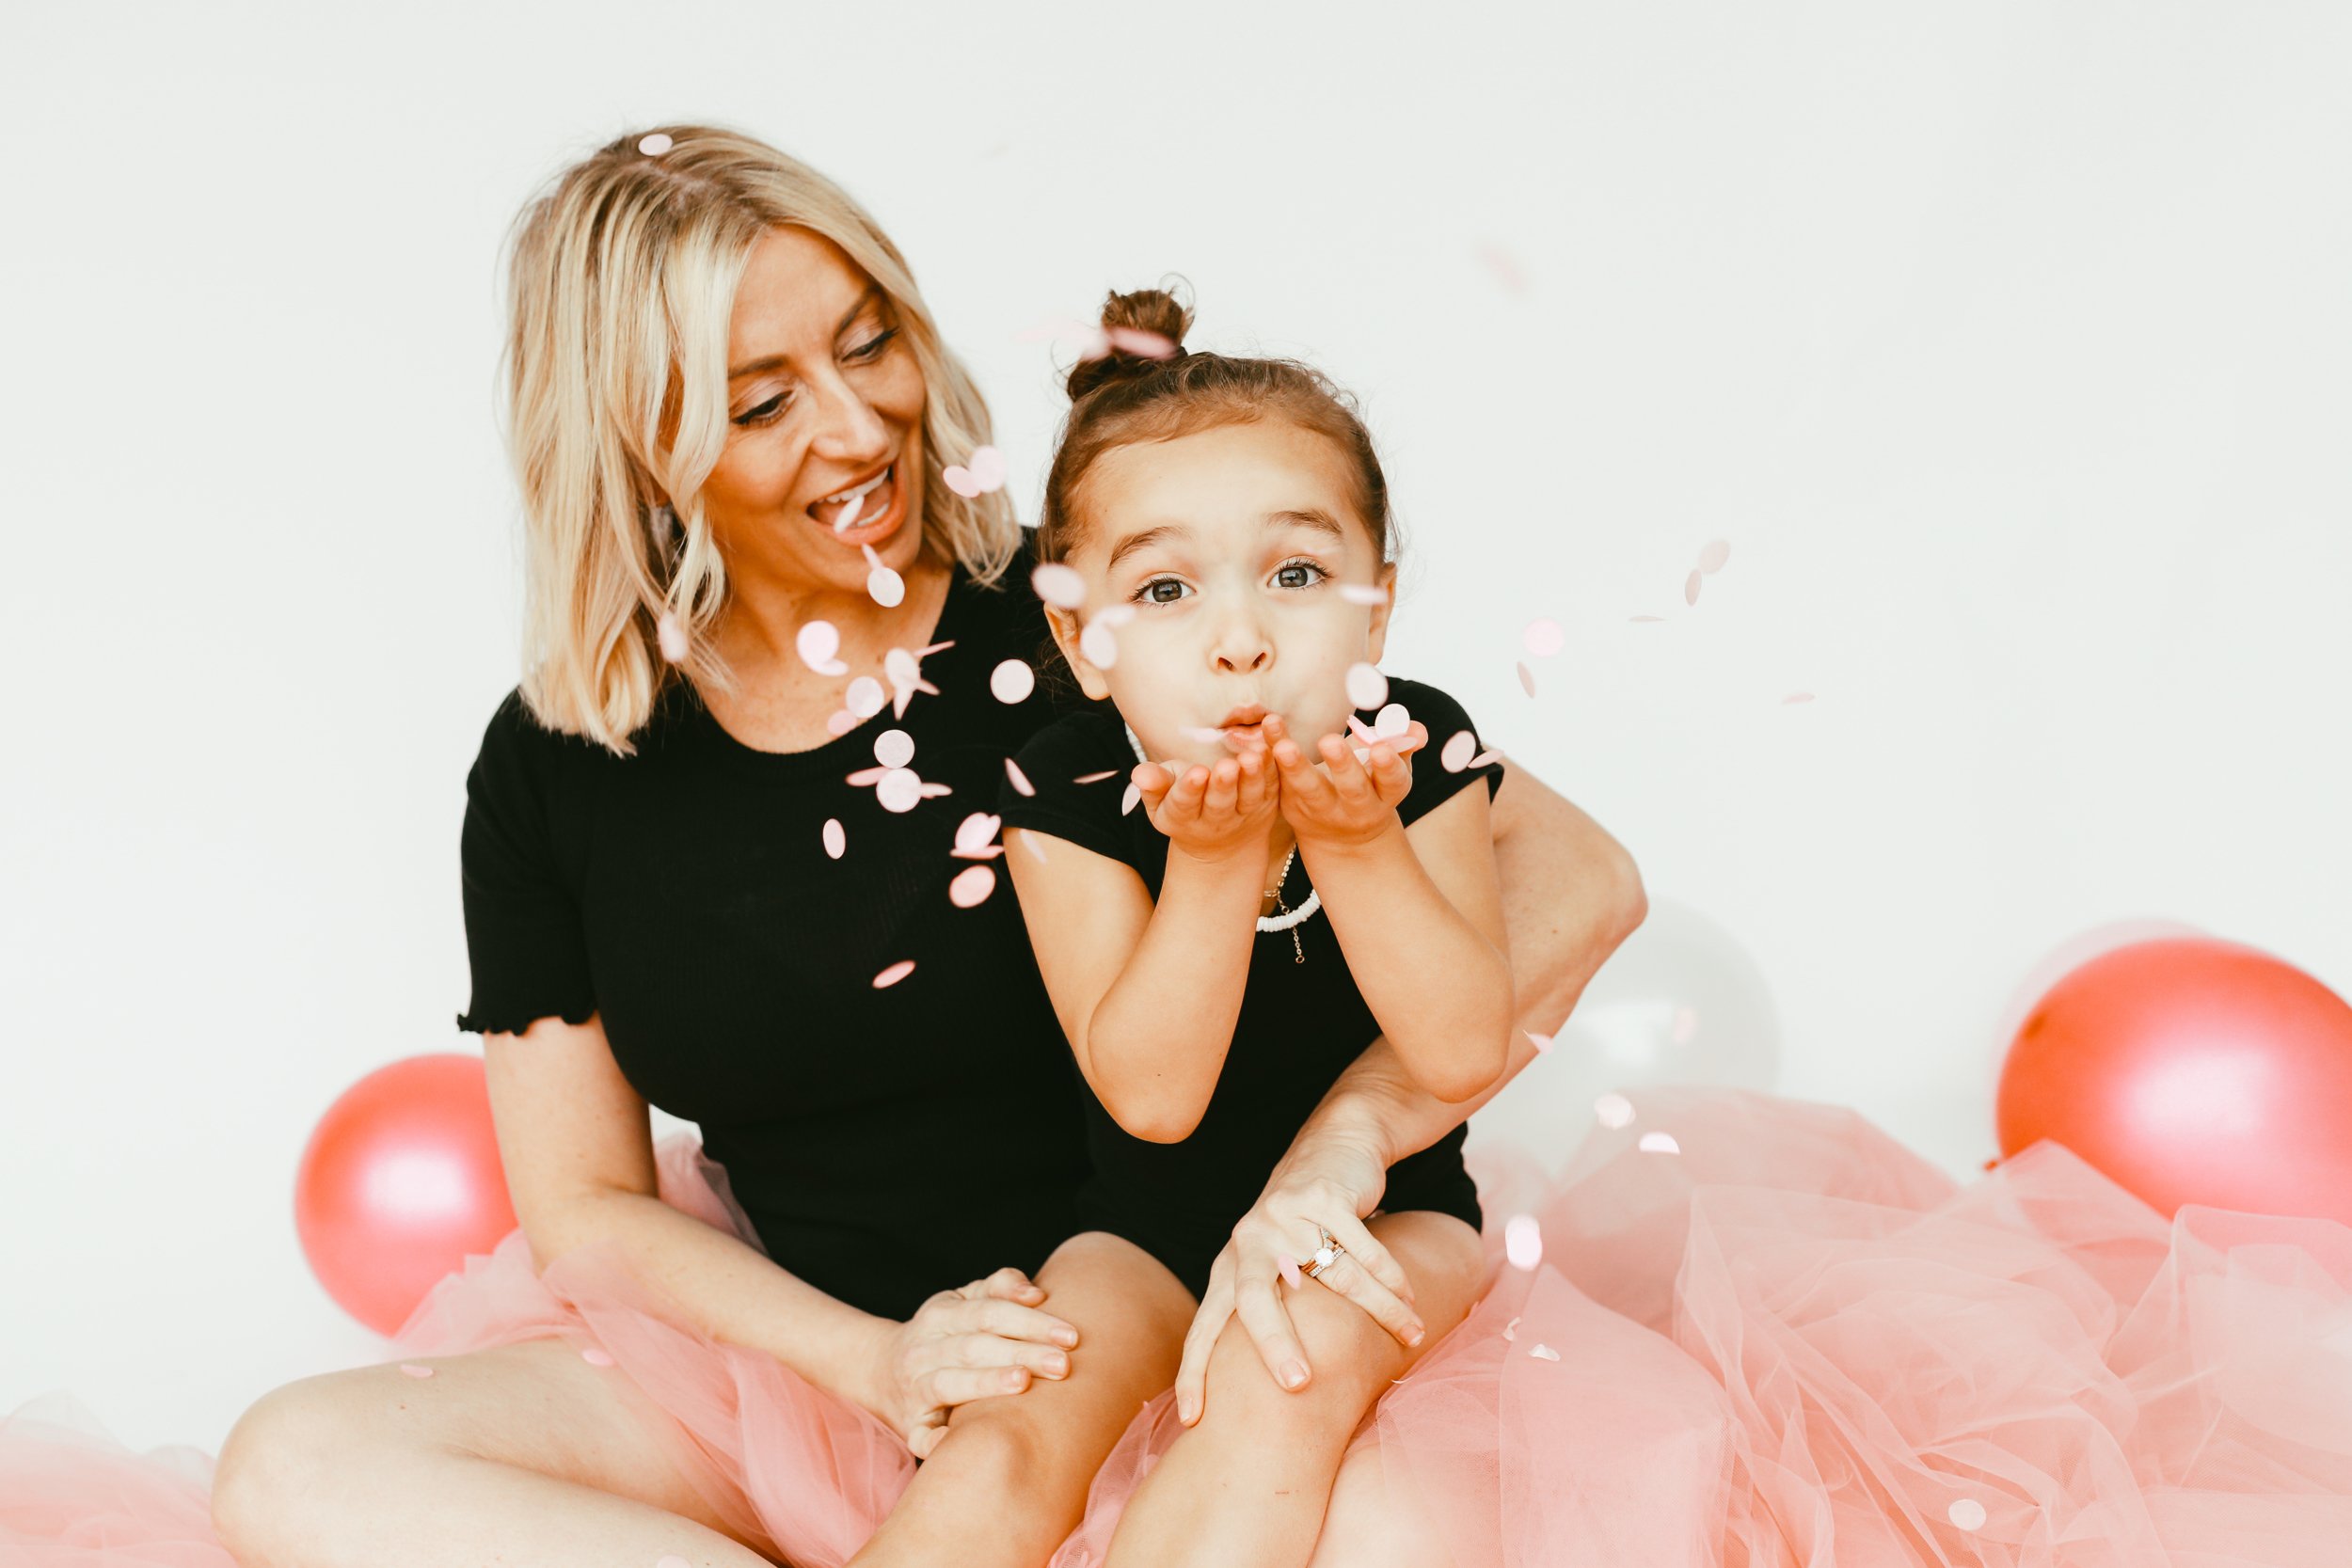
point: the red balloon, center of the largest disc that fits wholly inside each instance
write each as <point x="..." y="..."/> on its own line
<point x="400" y="1180"/>
<point x="2192" y="1070"/>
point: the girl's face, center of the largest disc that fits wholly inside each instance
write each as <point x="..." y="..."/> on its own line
<point x="823" y="396"/>
<point x="1230" y="546"/>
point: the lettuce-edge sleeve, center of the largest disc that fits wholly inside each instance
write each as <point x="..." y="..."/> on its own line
<point x="525" y="943"/>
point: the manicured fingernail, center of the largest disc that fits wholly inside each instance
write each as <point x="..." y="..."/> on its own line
<point x="1184" y="1410"/>
<point x="1293" y="1375"/>
<point x="1417" y="1335"/>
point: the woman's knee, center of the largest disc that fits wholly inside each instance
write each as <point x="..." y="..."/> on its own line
<point x="274" y="1461"/>
<point x="1349" y="1356"/>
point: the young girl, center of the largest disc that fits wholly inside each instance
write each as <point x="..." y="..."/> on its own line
<point x="1233" y="887"/>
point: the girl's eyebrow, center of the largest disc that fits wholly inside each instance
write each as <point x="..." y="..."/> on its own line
<point x="1303" y="516"/>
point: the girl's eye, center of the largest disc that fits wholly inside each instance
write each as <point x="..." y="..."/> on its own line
<point x="1147" y="594"/>
<point x="1299" y="566"/>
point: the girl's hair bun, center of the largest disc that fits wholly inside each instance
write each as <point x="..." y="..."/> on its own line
<point x="1151" y="311"/>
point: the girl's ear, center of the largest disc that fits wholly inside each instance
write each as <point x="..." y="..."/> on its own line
<point x="1376" y="638"/>
<point x="1065" y="627"/>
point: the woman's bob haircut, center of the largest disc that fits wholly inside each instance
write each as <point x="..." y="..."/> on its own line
<point x="622" y="279"/>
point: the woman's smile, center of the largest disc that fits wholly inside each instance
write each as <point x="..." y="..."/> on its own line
<point x="876" y="506"/>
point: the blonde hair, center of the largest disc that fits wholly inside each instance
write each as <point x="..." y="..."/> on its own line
<point x="622" y="281"/>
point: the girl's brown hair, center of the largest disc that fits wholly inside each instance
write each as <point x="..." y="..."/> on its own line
<point x="1134" y="393"/>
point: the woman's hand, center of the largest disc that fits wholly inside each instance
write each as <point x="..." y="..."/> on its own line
<point x="1332" y="1185"/>
<point x="986" y="1338"/>
<point x="1211" y="814"/>
<point x="1343" y="802"/>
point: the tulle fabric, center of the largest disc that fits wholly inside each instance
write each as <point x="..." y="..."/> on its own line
<point x="1782" y="1340"/>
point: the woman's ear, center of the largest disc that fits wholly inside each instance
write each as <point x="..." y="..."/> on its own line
<point x="1065" y="627"/>
<point x="1376" y="637"/>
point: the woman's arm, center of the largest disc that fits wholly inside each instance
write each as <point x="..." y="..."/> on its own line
<point x="575" y="1141"/>
<point x="1571" y="894"/>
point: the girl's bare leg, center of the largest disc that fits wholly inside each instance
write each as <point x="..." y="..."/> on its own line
<point x="1247" y="1486"/>
<point x="519" y="1455"/>
<point x="1009" y="1482"/>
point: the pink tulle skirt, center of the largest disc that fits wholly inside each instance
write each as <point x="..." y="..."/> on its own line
<point x="1762" y="1332"/>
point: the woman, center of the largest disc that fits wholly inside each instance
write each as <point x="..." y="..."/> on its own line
<point x="732" y="418"/>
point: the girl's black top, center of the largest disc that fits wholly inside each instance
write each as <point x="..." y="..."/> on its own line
<point x="887" y="1142"/>
<point x="1302" y="1020"/>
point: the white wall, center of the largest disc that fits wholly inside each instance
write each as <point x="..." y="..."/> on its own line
<point x="2004" y="342"/>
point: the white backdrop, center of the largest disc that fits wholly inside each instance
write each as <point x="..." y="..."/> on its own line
<point x="2004" y="344"/>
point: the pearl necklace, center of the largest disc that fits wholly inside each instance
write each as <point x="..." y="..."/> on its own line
<point x="1288" y="918"/>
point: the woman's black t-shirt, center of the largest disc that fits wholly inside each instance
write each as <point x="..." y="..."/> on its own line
<point x="887" y="1141"/>
<point x="1302" y="1018"/>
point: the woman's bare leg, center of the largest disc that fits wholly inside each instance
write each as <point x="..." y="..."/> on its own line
<point x="519" y="1455"/>
<point x="1247" y="1486"/>
<point x="1367" y="1527"/>
<point x="1009" y="1481"/>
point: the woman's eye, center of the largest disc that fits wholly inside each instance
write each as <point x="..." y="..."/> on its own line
<point x="764" y="414"/>
<point x="1149" y="592"/>
<point x="1297" y="566"/>
<point x="872" y="348"/>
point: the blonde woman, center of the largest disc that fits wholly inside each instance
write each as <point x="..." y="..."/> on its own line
<point x="719" y="862"/>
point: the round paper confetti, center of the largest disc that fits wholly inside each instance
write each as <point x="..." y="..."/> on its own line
<point x="1011" y="681"/>
<point x="655" y="144"/>
<point x="1541" y="1042"/>
<point x="1544" y="636"/>
<point x="1713" y="558"/>
<point x="1020" y="779"/>
<point x="894" y="748"/>
<point x="1796" y="697"/>
<point x="1099" y="644"/>
<point x="972" y="885"/>
<point x="1658" y="1143"/>
<point x="413" y="1370"/>
<point x="1523" y="1242"/>
<point x="895" y="973"/>
<point x="899" y="789"/>
<point x="885" y="587"/>
<point x="1458" y="751"/>
<point x="1127" y="802"/>
<point x="1058" y="584"/>
<point x="1612" y="1110"/>
<point x="835" y="839"/>
<point x="1544" y="1353"/>
<point x="974" y="834"/>
<point x="1511" y="1329"/>
<point x="1287" y="1267"/>
<point x="596" y="1357"/>
<point x="1967" y="1513"/>
<point x="841" y="722"/>
<point x="1363" y="592"/>
<point x="672" y="637"/>
<point x="1366" y="686"/>
<point x="1527" y="680"/>
<point x="1691" y="589"/>
<point x="816" y="642"/>
<point x="865" y="697"/>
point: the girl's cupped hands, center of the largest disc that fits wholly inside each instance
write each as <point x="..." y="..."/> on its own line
<point x="1211" y="814"/>
<point x="1335" y="798"/>
<point x="986" y="1338"/>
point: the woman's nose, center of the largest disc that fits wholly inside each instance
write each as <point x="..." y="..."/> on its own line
<point x="851" y="431"/>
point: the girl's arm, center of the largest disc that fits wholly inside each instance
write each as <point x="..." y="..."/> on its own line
<point x="1148" y="994"/>
<point x="1418" y="910"/>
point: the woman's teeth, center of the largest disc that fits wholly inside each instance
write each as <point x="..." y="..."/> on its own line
<point x="852" y="500"/>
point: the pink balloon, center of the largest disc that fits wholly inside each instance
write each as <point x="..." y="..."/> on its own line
<point x="2191" y="1070"/>
<point x="400" y="1181"/>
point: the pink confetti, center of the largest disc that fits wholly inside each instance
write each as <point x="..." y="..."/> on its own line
<point x="1483" y="758"/>
<point x="672" y="637"/>
<point x="816" y="642"/>
<point x="1796" y="697"/>
<point x="895" y="973"/>
<point x="1659" y="618"/>
<point x="1099" y="644"/>
<point x="904" y="671"/>
<point x="1058" y="584"/>
<point x="1544" y="1352"/>
<point x="597" y="1358"/>
<point x="1020" y="779"/>
<point x="1967" y="1513"/>
<point x="655" y="144"/>
<point x="894" y="748"/>
<point x="1367" y="687"/>
<point x="1511" y="1329"/>
<point x="1036" y="849"/>
<point x="841" y="722"/>
<point x="972" y="886"/>
<point x="1011" y="681"/>
<point x="1713" y="558"/>
<point x="1503" y="265"/>
<point x="983" y="473"/>
<point x="1612" y="1110"/>
<point x="1686" y="1023"/>
<point x="1134" y="340"/>
<point x="1127" y="802"/>
<point x="1527" y="680"/>
<point x="885" y="587"/>
<point x="1544" y="636"/>
<point x="974" y="835"/>
<point x="1096" y="778"/>
<point x="1523" y="1242"/>
<point x="413" y="1370"/>
<point x="1363" y="592"/>
<point x="899" y="789"/>
<point x="1456" y="753"/>
<point x="1658" y="1143"/>
<point x="1288" y="1267"/>
<point x="865" y="697"/>
<point x="1691" y="589"/>
<point x="836" y="840"/>
<point x="1543" y="1042"/>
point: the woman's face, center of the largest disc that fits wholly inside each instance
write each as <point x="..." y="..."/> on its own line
<point x="824" y="398"/>
<point x="1230" y="545"/>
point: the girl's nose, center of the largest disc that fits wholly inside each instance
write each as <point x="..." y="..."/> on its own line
<point x="1243" y="646"/>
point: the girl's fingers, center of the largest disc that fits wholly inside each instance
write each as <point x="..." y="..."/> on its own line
<point x="1218" y="796"/>
<point x="1347" y="775"/>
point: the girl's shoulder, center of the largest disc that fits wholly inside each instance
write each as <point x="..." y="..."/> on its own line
<point x="1069" y="779"/>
